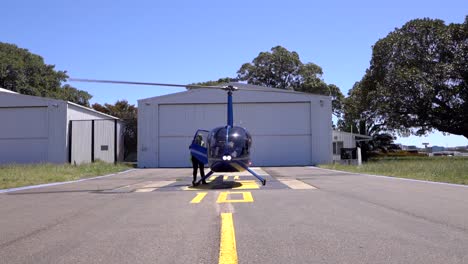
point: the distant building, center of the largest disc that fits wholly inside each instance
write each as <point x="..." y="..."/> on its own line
<point x="44" y="130"/>
<point x="345" y="140"/>
<point x="436" y="149"/>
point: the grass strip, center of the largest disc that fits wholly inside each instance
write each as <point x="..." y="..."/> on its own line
<point x="12" y="176"/>
<point x="438" y="169"/>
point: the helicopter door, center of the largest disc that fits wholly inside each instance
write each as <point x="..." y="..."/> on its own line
<point x="198" y="147"/>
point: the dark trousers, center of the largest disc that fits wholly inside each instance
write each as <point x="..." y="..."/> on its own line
<point x="197" y="164"/>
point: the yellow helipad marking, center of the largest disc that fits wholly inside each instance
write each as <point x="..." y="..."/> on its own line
<point x="212" y="178"/>
<point x="227" y="245"/>
<point x="199" y="197"/>
<point x="296" y="184"/>
<point x="153" y="186"/>
<point x="236" y="177"/>
<point x="247" y="185"/>
<point x="246" y="197"/>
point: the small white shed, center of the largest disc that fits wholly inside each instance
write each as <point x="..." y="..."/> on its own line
<point x="288" y="128"/>
<point x="343" y="139"/>
<point x="36" y="130"/>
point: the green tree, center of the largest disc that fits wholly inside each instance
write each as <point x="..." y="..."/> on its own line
<point x="283" y="69"/>
<point x="26" y="73"/>
<point x="418" y="78"/>
<point x="129" y="114"/>
<point x="359" y="118"/>
<point x="220" y="81"/>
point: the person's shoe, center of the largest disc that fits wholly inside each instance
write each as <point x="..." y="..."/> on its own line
<point x="204" y="182"/>
<point x="194" y="183"/>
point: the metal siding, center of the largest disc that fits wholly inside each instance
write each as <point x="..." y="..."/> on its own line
<point x="150" y="144"/>
<point x="184" y="120"/>
<point x="81" y="143"/>
<point x="346" y="138"/>
<point x="281" y="150"/>
<point x="275" y="127"/>
<point x="144" y="121"/>
<point x="23" y="151"/>
<point x="24" y="135"/>
<point x="120" y="141"/>
<point x="58" y="141"/>
<point x="104" y="136"/>
<point x="24" y="123"/>
<point x="321" y="130"/>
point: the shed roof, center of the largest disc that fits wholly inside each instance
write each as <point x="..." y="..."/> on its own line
<point x="11" y="93"/>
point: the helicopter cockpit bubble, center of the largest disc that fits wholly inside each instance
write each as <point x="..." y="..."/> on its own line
<point x="233" y="141"/>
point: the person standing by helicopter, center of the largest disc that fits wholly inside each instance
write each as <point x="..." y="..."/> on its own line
<point x="196" y="164"/>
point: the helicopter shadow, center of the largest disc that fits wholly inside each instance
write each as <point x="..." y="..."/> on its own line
<point x="217" y="184"/>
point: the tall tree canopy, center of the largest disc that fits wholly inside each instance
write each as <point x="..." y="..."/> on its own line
<point x="283" y="69"/>
<point x="24" y="72"/>
<point x="418" y="78"/>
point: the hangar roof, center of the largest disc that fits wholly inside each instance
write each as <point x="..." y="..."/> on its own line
<point x="45" y="99"/>
<point x="246" y="88"/>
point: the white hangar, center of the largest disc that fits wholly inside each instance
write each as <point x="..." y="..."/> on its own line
<point x="288" y="128"/>
<point x="43" y="130"/>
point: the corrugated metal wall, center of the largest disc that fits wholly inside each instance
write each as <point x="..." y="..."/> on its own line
<point x="287" y="129"/>
<point x="93" y="140"/>
<point x="104" y="147"/>
<point x="81" y="142"/>
<point x="32" y="129"/>
<point x="347" y="140"/>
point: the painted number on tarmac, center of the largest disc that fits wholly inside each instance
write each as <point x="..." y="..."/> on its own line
<point x="226" y="197"/>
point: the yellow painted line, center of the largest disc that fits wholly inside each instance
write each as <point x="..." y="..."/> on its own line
<point x="199" y="197"/>
<point x="225" y="177"/>
<point x="236" y="177"/>
<point x="212" y="178"/>
<point x="296" y="184"/>
<point x="227" y="245"/>
<point x="246" y="197"/>
<point x="245" y="185"/>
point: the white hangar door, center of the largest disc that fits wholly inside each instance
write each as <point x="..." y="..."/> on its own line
<point x="281" y="132"/>
<point x="23" y="134"/>
<point x="177" y="126"/>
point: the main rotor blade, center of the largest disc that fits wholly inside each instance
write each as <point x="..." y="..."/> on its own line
<point x="144" y="83"/>
<point x="182" y="85"/>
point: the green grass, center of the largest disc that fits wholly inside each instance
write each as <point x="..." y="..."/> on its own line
<point x="12" y="176"/>
<point x="439" y="169"/>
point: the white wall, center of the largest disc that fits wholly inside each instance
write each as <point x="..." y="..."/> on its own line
<point x="348" y="140"/>
<point x="151" y="110"/>
<point x="32" y="129"/>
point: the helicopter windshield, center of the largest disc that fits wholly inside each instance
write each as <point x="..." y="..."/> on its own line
<point x="236" y="143"/>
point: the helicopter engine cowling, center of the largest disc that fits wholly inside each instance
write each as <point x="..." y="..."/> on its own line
<point x="229" y="149"/>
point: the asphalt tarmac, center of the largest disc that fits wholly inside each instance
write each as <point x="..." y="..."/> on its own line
<point x="302" y="215"/>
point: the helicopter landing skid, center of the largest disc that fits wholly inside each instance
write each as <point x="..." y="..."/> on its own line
<point x="263" y="181"/>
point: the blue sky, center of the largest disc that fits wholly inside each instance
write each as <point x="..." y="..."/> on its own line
<point x="193" y="41"/>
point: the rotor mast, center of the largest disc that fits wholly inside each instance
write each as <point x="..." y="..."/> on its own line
<point x="230" y="112"/>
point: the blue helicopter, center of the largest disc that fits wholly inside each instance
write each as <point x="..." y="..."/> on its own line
<point x="228" y="147"/>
